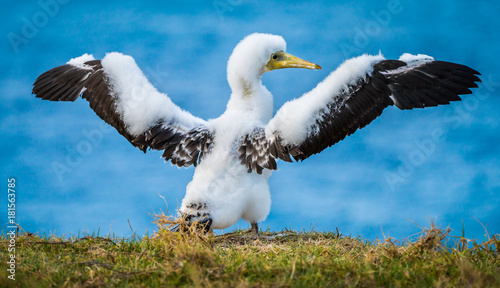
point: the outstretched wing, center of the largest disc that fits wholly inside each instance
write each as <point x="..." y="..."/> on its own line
<point x="349" y="99"/>
<point x="121" y="95"/>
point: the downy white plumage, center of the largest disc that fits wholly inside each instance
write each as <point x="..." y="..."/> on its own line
<point x="235" y="153"/>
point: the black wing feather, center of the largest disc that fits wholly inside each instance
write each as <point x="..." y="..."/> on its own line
<point x="392" y="82"/>
<point x="68" y="82"/>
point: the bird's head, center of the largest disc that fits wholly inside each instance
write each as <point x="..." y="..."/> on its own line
<point x="259" y="53"/>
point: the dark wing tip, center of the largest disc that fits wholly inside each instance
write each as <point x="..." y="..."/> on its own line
<point x="430" y="83"/>
<point x="63" y="83"/>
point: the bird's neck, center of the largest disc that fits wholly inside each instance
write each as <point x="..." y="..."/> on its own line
<point x="251" y="99"/>
<point x="246" y="87"/>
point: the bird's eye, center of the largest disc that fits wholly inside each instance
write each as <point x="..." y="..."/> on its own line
<point x="275" y="57"/>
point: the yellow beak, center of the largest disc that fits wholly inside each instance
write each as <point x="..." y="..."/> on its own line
<point x="282" y="60"/>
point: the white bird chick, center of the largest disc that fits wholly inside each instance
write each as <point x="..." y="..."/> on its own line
<point x="235" y="154"/>
<point x="221" y="184"/>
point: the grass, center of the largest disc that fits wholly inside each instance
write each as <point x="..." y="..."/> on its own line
<point x="282" y="259"/>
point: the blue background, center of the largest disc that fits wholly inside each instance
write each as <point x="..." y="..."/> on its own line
<point x="385" y="180"/>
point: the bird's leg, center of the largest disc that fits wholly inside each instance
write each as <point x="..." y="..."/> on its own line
<point x="255" y="230"/>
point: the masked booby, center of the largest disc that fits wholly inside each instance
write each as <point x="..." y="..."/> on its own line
<point x="235" y="153"/>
